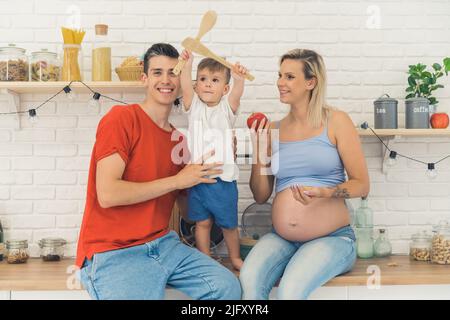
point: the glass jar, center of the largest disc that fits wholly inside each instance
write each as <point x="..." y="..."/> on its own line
<point x="364" y="215"/>
<point x="364" y="242"/>
<point x="17" y="251"/>
<point x="52" y="249"/>
<point x="382" y="246"/>
<point x="44" y="66"/>
<point x="420" y="246"/>
<point x="13" y="64"/>
<point x="72" y="62"/>
<point x="101" y="54"/>
<point x="440" y="245"/>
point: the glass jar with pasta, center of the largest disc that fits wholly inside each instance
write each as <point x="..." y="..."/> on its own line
<point x="44" y="66"/>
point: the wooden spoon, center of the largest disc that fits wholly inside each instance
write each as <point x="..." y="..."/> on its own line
<point x="196" y="46"/>
<point x="208" y="21"/>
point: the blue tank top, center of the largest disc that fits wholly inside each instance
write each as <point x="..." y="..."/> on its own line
<point x="311" y="162"/>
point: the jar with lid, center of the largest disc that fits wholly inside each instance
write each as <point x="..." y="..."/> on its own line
<point x="440" y="245"/>
<point x="420" y="246"/>
<point x="13" y="64"/>
<point x="52" y="249"/>
<point x="101" y="54"/>
<point x="17" y="251"/>
<point x="44" y="66"/>
<point x="382" y="246"/>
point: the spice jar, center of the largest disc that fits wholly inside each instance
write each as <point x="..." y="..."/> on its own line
<point x="17" y="251"/>
<point x="44" y="66"/>
<point x="420" y="246"/>
<point x="13" y="64"/>
<point x="440" y="246"/>
<point x="52" y="249"/>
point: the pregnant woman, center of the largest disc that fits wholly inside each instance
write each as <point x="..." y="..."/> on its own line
<point x="305" y="155"/>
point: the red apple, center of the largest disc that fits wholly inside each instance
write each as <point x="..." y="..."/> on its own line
<point x="439" y="120"/>
<point x="256" y="116"/>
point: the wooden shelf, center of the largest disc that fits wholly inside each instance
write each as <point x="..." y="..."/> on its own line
<point x="394" y="270"/>
<point x="53" y="87"/>
<point x="404" y="132"/>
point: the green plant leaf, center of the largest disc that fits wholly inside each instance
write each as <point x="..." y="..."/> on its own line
<point x="447" y="64"/>
<point x="426" y="74"/>
<point x="424" y="89"/>
<point x="410" y="89"/>
<point x="437" y="66"/>
<point x="421" y="67"/>
<point x="412" y="81"/>
<point x="411" y="95"/>
<point x="432" y="100"/>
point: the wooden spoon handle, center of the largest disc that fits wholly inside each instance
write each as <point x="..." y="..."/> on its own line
<point x="179" y="66"/>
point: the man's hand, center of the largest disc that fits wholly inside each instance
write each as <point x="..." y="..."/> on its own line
<point x="196" y="173"/>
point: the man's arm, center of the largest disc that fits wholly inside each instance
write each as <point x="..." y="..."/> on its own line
<point x="234" y="98"/>
<point x="186" y="79"/>
<point x="113" y="191"/>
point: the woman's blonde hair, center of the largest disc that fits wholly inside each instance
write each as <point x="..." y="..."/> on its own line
<point x="314" y="67"/>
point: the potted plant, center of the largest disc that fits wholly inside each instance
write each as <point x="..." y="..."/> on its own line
<point x="419" y="101"/>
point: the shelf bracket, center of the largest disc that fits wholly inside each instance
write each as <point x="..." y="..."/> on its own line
<point x="14" y="104"/>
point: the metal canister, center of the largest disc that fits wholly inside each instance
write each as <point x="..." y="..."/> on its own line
<point x="417" y="113"/>
<point x="385" y="112"/>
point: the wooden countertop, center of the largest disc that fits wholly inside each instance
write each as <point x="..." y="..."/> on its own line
<point x="39" y="275"/>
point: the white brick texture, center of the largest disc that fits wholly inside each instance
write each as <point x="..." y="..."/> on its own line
<point x="44" y="167"/>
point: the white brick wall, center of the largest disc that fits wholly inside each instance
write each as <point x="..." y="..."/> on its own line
<point x="43" y="169"/>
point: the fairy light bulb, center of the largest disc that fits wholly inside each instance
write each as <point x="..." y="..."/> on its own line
<point x="69" y="93"/>
<point x="431" y="172"/>
<point x="392" y="160"/>
<point x="32" y="116"/>
<point x="95" y="101"/>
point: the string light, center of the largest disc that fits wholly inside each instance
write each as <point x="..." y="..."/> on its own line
<point x="32" y="113"/>
<point x="95" y="101"/>
<point x="69" y="93"/>
<point x="431" y="172"/>
<point x="32" y="116"/>
<point x="392" y="160"/>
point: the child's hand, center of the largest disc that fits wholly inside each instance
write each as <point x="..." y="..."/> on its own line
<point x="188" y="57"/>
<point x="238" y="72"/>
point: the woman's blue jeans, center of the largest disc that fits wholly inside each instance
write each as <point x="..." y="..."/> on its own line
<point x="304" y="266"/>
<point x="143" y="271"/>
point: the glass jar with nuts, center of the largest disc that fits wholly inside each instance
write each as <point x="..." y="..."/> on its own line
<point x="440" y="249"/>
<point x="420" y="246"/>
<point x="52" y="249"/>
<point x="17" y="251"/>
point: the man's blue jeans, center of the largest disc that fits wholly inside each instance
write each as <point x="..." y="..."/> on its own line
<point x="304" y="266"/>
<point x="143" y="271"/>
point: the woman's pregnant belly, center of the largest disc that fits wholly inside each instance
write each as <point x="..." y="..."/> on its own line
<point x="297" y="222"/>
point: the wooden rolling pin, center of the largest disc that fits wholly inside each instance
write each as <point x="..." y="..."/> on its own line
<point x="198" y="47"/>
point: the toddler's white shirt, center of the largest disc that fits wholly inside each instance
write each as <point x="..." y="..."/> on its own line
<point x="212" y="128"/>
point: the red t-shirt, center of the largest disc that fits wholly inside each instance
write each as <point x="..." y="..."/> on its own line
<point x="146" y="150"/>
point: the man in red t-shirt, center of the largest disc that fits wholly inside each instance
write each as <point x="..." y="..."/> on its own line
<point x="125" y="248"/>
